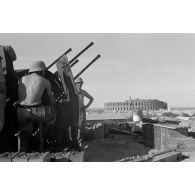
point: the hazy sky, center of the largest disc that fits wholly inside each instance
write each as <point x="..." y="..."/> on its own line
<point x="155" y="66"/>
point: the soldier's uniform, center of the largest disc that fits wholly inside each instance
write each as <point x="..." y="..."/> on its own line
<point x="82" y="94"/>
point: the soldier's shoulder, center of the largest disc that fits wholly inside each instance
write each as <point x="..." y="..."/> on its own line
<point x="83" y="92"/>
<point x="39" y="77"/>
<point x="46" y="81"/>
<point x="26" y="77"/>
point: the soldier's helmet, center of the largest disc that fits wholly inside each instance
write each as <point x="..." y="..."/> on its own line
<point x="79" y="80"/>
<point x="37" y="66"/>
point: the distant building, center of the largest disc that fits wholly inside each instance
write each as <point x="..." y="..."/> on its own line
<point x="135" y="104"/>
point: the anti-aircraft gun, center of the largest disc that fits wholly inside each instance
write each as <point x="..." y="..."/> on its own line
<point x="65" y="131"/>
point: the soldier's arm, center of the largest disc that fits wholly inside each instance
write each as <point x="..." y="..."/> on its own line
<point x="91" y="99"/>
<point x="51" y="97"/>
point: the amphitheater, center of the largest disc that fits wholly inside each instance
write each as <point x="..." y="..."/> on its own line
<point x="135" y="104"/>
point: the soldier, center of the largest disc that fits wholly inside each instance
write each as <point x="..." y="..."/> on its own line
<point x="83" y="107"/>
<point x="31" y="90"/>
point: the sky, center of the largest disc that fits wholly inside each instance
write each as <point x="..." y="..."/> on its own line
<point x="147" y="66"/>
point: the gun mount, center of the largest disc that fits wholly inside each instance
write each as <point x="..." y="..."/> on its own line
<point x="66" y="96"/>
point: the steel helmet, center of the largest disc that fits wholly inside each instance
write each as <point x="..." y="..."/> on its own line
<point x="37" y="66"/>
<point x="79" y="80"/>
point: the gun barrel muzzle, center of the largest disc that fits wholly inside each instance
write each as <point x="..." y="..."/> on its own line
<point x="81" y="52"/>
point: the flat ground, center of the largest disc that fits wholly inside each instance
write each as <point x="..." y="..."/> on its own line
<point x="107" y="116"/>
<point x="114" y="148"/>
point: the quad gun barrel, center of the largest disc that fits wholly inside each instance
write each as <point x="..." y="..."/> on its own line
<point x="86" y="67"/>
<point x="74" y="60"/>
<point x="81" y="52"/>
<point x="54" y="62"/>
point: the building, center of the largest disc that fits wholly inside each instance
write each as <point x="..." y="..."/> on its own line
<point x="135" y="104"/>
